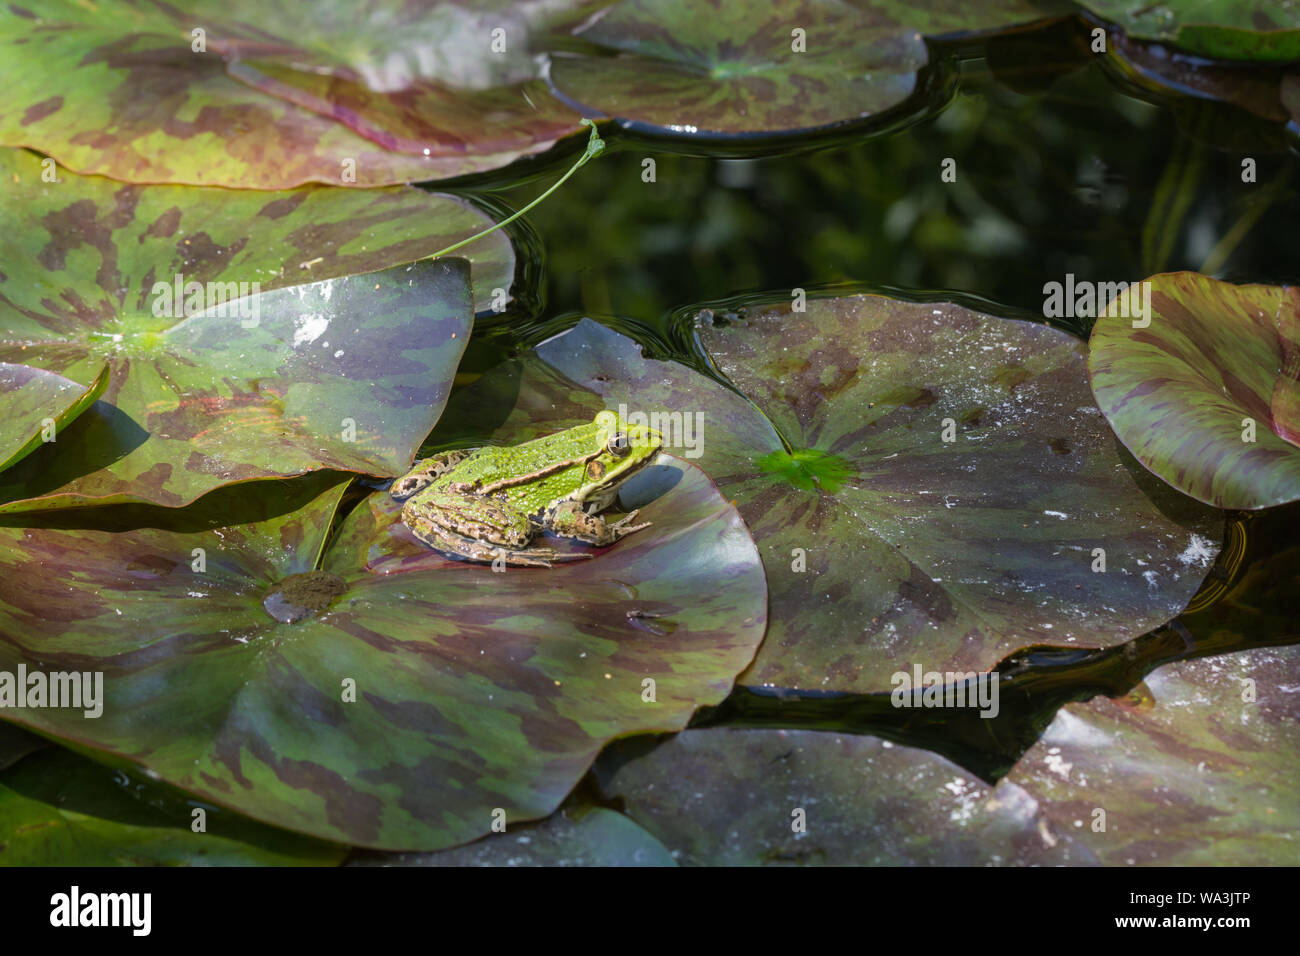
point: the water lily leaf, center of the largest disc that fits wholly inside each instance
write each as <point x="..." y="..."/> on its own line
<point x="589" y="836"/>
<point x="730" y="797"/>
<point x="86" y="247"/>
<point x="32" y="397"/>
<point x="430" y="120"/>
<point x="347" y="373"/>
<point x="1196" y="767"/>
<point x="884" y="545"/>
<point x="391" y="45"/>
<point x="120" y="90"/>
<point x="409" y="699"/>
<point x="1258" y="30"/>
<point x="1250" y="87"/>
<point x="1208" y="396"/>
<point x="59" y="809"/>
<point x="730" y="68"/>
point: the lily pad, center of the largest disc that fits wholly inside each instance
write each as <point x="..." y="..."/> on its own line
<point x="1255" y="30"/>
<point x="587" y="836"/>
<point x="1196" y="767"/>
<point x="688" y="67"/>
<point x="35" y="403"/>
<point x="429" y="120"/>
<point x="729" y="797"/>
<point x="63" y="810"/>
<point x="886" y="546"/>
<point x="84" y="246"/>
<point x="1208" y="396"/>
<point x="1156" y="67"/>
<point x="411" y="696"/>
<point x="347" y="373"/>
<point x="123" y="92"/>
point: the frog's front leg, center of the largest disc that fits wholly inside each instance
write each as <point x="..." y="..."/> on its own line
<point x="427" y="471"/>
<point x="569" y="520"/>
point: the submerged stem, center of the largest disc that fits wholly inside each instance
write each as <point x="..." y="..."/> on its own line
<point x="1255" y="208"/>
<point x="595" y="145"/>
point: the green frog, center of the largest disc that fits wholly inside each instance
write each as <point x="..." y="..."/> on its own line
<point x="488" y="503"/>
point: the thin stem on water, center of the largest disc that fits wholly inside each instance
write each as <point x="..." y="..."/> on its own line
<point x="595" y="145"/>
<point x="1256" y="208"/>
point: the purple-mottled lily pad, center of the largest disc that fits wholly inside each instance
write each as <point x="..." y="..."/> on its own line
<point x="1198" y="766"/>
<point x="1253" y="30"/>
<point x="1208" y="395"/>
<point x="81" y="247"/>
<point x="1255" y="89"/>
<point x="121" y="90"/>
<point x="35" y="405"/>
<point x="395" y="706"/>
<point x="429" y="120"/>
<point x="333" y="365"/>
<point x="585" y="836"/>
<point x="886" y="546"/>
<point x="724" y="797"/>
<point x="713" y="67"/>
<point x="58" y="809"/>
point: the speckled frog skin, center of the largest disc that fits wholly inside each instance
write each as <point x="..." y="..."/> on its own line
<point x="488" y="503"/>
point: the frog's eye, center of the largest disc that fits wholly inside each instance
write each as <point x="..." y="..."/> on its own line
<point x="617" y="445"/>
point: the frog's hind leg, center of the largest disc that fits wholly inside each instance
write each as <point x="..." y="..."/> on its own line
<point x="457" y="545"/>
<point x="479" y="528"/>
<point x="426" y="472"/>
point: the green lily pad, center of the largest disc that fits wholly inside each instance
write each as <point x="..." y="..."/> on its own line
<point x="473" y="690"/>
<point x="1256" y="30"/>
<point x="741" y="68"/>
<point x="590" y="836"/>
<point x="59" y="809"/>
<point x="32" y="399"/>
<point x="1208" y="396"/>
<point x="730" y="797"/>
<point x="913" y="550"/>
<point x="1187" y="771"/>
<point x="348" y="372"/>
<point x="119" y="90"/>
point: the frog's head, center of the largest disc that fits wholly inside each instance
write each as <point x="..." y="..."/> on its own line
<point x="624" y="449"/>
